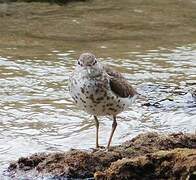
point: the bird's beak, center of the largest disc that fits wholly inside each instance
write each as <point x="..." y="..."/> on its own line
<point x="88" y="70"/>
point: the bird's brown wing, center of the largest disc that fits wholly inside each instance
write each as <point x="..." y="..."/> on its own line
<point x="112" y="73"/>
<point x="119" y="85"/>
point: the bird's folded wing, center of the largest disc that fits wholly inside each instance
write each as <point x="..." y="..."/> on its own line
<point x="121" y="87"/>
<point x="118" y="84"/>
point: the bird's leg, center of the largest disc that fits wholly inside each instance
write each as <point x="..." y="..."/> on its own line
<point x="114" y="124"/>
<point x="97" y="131"/>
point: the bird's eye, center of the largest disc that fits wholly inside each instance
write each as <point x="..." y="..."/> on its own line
<point x="94" y="62"/>
<point x="79" y="62"/>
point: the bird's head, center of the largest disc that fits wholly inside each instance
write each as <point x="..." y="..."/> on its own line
<point x="88" y="64"/>
<point x="87" y="60"/>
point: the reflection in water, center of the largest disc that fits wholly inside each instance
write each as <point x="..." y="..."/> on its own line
<point x="37" y="113"/>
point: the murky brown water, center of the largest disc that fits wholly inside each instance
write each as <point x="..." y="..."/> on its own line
<point x="153" y="43"/>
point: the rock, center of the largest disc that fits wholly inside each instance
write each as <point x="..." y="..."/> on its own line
<point x="174" y="164"/>
<point x="148" y="155"/>
<point x="151" y="142"/>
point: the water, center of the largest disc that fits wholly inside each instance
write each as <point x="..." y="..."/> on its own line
<point x="38" y="47"/>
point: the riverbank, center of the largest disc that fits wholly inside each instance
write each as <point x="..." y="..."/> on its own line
<point x="108" y="28"/>
<point x="50" y="1"/>
<point x="147" y="156"/>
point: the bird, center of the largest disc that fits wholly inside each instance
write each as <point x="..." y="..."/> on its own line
<point x="100" y="91"/>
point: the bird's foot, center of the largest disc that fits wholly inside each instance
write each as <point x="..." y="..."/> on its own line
<point x="98" y="148"/>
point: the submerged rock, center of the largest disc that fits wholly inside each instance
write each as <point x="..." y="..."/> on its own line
<point x="146" y="156"/>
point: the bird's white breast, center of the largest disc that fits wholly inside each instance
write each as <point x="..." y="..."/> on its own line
<point x="95" y="96"/>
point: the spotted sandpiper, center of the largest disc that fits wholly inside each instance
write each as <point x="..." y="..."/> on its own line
<point x="99" y="90"/>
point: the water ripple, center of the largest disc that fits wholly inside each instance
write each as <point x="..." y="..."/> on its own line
<point x="37" y="113"/>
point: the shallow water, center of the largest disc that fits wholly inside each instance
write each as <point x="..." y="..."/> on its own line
<point x="38" y="47"/>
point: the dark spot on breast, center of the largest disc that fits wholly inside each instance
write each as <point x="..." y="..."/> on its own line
<point x="118" y="106"/>
<point x="112" y="109"/>
<point x="109" y="104"/>
<point x="82" y="90"/>
<point x="92" y="98"/>
<point x="108" y="97"/>
<point x="75" y="82"/>
<point x="100" y="98"/>
<point x="76" y="97"/>
<point x="83" y="100"/>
